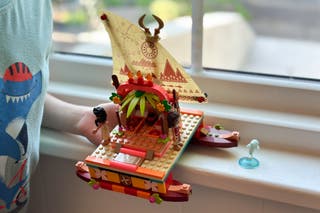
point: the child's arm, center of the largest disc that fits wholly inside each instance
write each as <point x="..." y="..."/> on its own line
<point x="75" y="119"/>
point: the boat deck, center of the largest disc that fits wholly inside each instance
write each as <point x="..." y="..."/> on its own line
<point x="131" y="157"/>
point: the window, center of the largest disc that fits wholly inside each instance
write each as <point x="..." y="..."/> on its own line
<point x="282" y="39"/>
<point x="278" y="38"/>
<point x="79" y="30"/>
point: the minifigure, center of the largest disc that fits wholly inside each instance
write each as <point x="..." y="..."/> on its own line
<point x="250" y="162"/>
<point x="101" y="122"/>
<point x="173" y="123"/>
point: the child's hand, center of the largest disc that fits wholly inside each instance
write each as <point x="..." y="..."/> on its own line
<point x="86" y="124"/>
<point x="76" y="119"/>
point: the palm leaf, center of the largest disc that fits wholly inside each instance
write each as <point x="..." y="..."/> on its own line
<point x="132" y="105"/>
<point x="129" y="95"/>
<point x="154" y="97"/>
<point x="142" y="104"/>
<point x="150" y="100"/>
<point x="127" y="101"/>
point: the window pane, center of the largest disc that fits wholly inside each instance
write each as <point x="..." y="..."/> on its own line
<point x="257" y="36"/>
<point x="262" y="36"/>
<point x="77" y="27"/>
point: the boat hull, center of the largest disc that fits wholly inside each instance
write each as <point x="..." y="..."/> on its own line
<point x="170" y="196"/>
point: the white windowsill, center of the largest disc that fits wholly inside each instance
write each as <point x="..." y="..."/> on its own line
<point x="287" y="173"/>
<point x="263" y="108"/>
<point x="297" y="132"/>
<point x="282" y="176"/>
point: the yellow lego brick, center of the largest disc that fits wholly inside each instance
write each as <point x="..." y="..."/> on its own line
<point x="138" y="183"/>
<point x="104" y="175"/>
<point x="162" y="187"/>
<point x="98" y="173"/>
<point x="93" y="173"/>
<point x="113" y="177"/>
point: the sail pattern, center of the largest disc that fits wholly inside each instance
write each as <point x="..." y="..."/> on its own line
<point x="131" y="52"/>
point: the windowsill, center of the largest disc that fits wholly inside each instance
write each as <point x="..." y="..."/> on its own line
<point x="292" y="129"/>
<point x="283" y="176"/>
<point x="262" y="108"/>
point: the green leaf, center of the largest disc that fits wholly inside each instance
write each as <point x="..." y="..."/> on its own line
<point x="150" y="100"/>
<point x="114" y="95"/>
<point x="142" y="104"/>
<point x="129" y="95"/>
<point x="166" y="105"/>
<point x="126" y="102"/>
<point x="139" y="93"/>
<point x="156" y="98"/>
<point x="132" y="105"/>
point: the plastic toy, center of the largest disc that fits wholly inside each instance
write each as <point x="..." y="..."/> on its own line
<point x="152" y="131"/>
<point x="102" y="123"/>
<point x="216" y="136"/>
<point x="250" y="162"/>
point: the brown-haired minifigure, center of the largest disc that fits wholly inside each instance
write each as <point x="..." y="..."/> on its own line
<point x="173" y="123"/>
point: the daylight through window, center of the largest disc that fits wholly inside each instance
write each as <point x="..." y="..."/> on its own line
<point x="279" y="38"/>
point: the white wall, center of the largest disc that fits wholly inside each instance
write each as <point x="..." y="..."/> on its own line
<point x="56" y="189"/>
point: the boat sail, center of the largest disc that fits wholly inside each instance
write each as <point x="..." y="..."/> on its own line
<point x="135" y="49"/>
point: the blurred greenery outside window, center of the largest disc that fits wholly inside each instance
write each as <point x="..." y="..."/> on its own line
<point x="268" y="37"/>
<point x="77" y="27"/>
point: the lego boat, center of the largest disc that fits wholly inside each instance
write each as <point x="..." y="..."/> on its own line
<point x="138" y="155"/>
